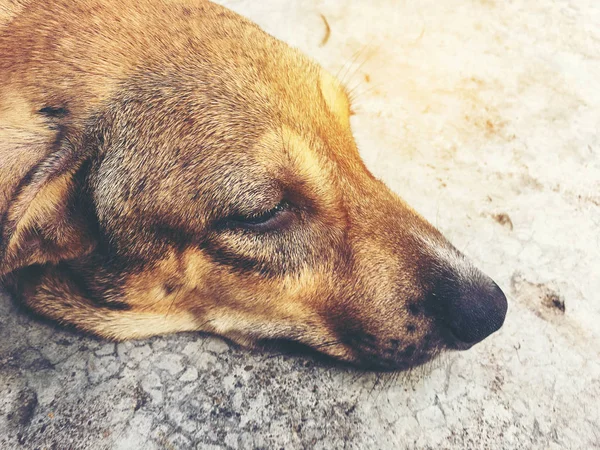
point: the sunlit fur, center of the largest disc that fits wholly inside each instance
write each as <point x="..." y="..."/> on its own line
<point x="129" y="129"/>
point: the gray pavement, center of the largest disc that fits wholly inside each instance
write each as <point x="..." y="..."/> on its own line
<point x="484" y="116"/>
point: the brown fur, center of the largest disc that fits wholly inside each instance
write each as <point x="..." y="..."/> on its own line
<point x="130" y="131"/>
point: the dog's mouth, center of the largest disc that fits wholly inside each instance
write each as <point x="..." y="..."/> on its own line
<point x="338" y="353"/>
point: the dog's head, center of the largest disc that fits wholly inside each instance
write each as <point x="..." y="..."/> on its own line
<point x="211" y="182"/>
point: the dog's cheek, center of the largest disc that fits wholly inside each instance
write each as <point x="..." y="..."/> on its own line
<point x="269" y="307"/>
<point x="244" y="306"/>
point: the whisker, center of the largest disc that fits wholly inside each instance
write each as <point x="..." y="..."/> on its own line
<point x="361" y="65"/>
<point x="175" y="297"/>
<point x="355" y="95"/>
<point x="385" y="384"/>
<point x="347" y="66"/>
<point x="375" y="383"/>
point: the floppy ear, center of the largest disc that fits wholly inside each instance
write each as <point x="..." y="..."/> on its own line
<point x="43" y="215"/>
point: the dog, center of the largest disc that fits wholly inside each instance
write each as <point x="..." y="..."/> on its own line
<point x="167" y="166"/>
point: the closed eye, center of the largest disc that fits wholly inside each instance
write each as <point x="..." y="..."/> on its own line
<point x="270" y="220"/>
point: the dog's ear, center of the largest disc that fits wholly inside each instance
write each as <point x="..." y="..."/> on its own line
<point x="43" y="212"/>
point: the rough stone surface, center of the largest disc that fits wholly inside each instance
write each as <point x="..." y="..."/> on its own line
<point x="484" y="115"/>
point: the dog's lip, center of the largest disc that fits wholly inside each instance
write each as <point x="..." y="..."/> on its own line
<point x="378" y="364"/>
<point x="461" y="346"/>
<point x="375" y="361"/>
<point x="453" y="343"/>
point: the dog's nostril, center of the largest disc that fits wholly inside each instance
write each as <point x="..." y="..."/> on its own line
<point x="476" y="310"/>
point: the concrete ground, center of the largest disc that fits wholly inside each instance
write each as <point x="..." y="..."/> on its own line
<point x="484" y="115"/>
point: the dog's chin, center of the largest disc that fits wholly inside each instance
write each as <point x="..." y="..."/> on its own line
<point x="378" y="363"/>
<point x="345" y="357"/>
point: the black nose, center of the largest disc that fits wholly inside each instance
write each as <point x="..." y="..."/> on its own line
<point x="472" y="308"/>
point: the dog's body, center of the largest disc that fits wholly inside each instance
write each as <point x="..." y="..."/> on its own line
<point x="168" y="166"/>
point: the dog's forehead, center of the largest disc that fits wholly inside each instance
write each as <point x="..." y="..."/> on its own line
<point x="230" y="135"/>
<point x="238" y="117"/>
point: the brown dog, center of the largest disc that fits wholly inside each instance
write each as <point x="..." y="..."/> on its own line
<point x="165" y="166"/>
